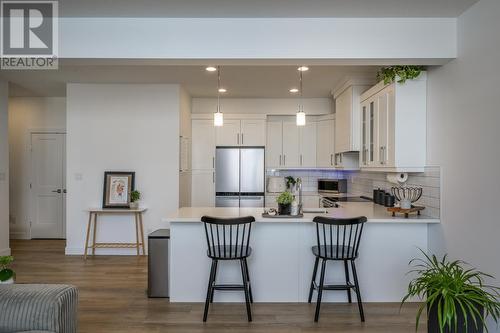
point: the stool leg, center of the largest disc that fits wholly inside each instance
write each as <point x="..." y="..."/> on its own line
<point x="315" y="271"/>
<point x="245" y="287"/>
<point x="320" y="289"/>
<point x="347" y="281"/>
<point x="209" y="290"/>
<point x="358" y="293"/>
<point x="248" y="279"/>
<point x="88" y="236"/>
<point x="215" y="279"/>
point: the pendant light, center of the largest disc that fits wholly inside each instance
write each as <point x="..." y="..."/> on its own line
<point x="301" y="115"/>
<point x="218" y="116"/>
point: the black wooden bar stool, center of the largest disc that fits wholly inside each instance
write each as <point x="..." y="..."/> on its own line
<point x="228" y="239"/>
<point x="337" y="239"/>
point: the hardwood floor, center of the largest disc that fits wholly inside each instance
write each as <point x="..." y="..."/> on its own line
<point x="113" y="299"/>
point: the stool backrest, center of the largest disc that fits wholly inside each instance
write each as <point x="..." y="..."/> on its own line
<point x="339" y="237"/>
<point x="228" y="237"/>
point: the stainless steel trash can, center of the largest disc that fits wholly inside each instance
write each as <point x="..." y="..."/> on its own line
<point x="158" y="266"/>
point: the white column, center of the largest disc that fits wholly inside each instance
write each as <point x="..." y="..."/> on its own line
<point x="4" y="169"/>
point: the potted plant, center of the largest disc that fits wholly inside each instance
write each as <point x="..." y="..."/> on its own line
<point x="290" y="183"/>
<point x="285" y="200"/>
<point x="7" y="275"/>
<point x="400" y="74"/>
<point x="135" y="196"/>
<point x="457" y="298"/>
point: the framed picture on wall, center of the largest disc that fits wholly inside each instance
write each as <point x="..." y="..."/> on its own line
<point x="117" y="188"/>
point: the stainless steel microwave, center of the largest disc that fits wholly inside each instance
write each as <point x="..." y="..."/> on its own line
<point x="332" y="185"/>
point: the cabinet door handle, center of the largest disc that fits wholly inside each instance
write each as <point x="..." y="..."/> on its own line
<point x="284" y="159"/>
<point x="331" y="159"/>
<point x="238" y="138"/>
<point x="301" y="159"/>
<point x="340" y="155"/>
<point x="242" y="138"/>
<point x="280" y="159"/>
<point x="381" y="152"/>
<point x="213" y="162"/>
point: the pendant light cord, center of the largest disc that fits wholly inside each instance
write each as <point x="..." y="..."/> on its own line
<point x="301" y="105"/>
<point x="218" y="88"/>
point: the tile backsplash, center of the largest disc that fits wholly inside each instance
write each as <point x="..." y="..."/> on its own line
<point x="363" y="183"/>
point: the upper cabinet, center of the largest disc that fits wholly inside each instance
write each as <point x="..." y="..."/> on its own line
<point x="241" y="132"/>
<point x="202" y="144"/>
<point x="325" y="147"/>
<point x="393" y="126"/>
<point x="290" y="146"/>
<point x="347" y="115"/>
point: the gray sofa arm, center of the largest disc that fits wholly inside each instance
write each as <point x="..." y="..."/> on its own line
<point x="38" y="307"/>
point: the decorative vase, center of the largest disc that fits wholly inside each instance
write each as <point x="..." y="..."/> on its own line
<point x="134" y="205"/>
<point x="284" y="209"/>
<point x="9" y="281"/>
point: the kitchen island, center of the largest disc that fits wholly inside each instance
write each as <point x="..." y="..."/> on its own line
<point x="281" y="263"/>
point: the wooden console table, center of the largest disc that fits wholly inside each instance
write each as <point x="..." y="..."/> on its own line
<point x="139" y="230"/>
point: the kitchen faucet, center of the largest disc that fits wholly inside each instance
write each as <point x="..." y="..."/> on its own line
<point x="299" y="187"/>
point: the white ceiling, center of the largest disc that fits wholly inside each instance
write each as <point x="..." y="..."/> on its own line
<point x="241" y="81"/>
<point x="264" y="8"/>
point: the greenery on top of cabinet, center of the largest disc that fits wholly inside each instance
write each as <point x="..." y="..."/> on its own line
<point x="403" y="73"/>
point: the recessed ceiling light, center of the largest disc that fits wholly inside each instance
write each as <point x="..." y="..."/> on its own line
<point x="294" y="90"/>
<point x="303" y="68"/>
<point x="222" y="90"/>
<point x="211" y="69"/>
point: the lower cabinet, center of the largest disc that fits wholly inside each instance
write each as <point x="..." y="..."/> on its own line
<point x="203" y="188"/>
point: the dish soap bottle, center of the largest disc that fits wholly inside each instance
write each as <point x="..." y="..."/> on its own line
<point x="295" y="207"/>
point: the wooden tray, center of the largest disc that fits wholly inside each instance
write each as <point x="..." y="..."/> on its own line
<point x="266" y="215"/>
<point x="407" y="212"/>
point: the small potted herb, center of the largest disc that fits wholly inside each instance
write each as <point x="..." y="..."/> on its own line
<point x="457" y="298"/>
<point x="7" y="275"/>
<point x="285" y="200"/>
<point x="135" y="196"/>
<point x="399" y="74"/>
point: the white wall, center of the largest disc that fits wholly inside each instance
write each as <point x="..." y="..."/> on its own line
<point x="278" y="106"/>
<point x="129" y="127"/>
<point x="4" y="169"/>
<point x="431" y="40"/>
<point x="463" y="137"/>
<point x="26" y="114"/>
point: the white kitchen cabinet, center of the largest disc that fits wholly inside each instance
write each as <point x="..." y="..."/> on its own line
<point x="202" y="144"/>
<point x="253" y="132"/>
<point x="291" y="148"/>
<point x="241" y="132"/>
<point x="229" y="133"/>
<point x="203" y="188"/>
<point x="347" y="117"/>
<point x="325" y="148"/>
<point x="274" y="146"/>
<point x="346" y="161"/>
<point x="307" y="145"/>
<point x="393" y="125"/>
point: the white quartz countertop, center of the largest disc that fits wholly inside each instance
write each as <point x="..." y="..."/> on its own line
<point x="374" y="213"/>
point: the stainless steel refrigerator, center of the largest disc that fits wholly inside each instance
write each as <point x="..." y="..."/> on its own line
<point x="239" y="177"/>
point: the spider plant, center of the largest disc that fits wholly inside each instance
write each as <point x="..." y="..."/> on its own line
<point x="457" y="294"/>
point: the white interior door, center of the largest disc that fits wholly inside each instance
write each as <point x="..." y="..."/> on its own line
<point x="48" y="185"/>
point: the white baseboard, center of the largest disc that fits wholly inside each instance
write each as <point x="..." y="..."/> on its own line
<point x="5" y="252"/>
<point x="77" y="251"/>
<point x="19" y="235"/>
